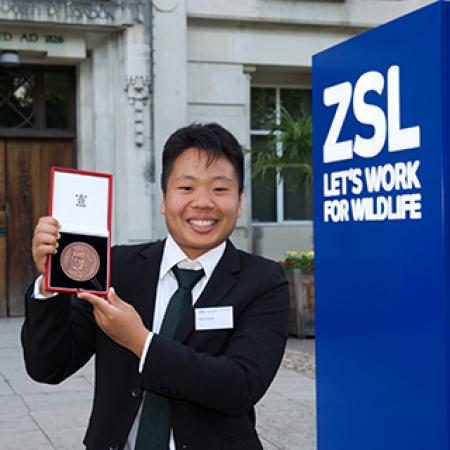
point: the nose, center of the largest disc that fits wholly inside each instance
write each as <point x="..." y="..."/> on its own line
<point x="202" y="199"/>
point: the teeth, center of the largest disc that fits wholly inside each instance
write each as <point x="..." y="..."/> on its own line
<point x="202" y="223"/>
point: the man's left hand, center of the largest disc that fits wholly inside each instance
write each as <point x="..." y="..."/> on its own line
<point x="119" y="320"/>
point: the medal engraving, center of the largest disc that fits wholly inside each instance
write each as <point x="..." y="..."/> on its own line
<point x="79" y="261"/>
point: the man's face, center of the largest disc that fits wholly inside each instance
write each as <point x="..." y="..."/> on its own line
<point x="202" y="202"/>
<point x="78" y="260"/>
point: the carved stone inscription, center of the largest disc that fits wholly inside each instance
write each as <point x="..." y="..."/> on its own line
<point x="7" y="36"/>
<point x="70" y="11"/>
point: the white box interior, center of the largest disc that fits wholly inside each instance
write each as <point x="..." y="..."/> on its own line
<point x="88" y="216"/>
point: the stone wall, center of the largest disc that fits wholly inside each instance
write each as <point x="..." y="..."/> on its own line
<point x="110" y="45"/>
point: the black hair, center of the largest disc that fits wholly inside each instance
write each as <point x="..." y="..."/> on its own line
<point x="211" y="138"/>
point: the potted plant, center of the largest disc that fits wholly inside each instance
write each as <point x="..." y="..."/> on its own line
<point x="292" y="159"/>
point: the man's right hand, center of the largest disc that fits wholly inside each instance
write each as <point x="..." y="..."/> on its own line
<point x="45" y="242"/>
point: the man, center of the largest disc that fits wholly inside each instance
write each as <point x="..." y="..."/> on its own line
<point x="205" y="377"/>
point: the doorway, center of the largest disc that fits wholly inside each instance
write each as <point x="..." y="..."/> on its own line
<point x="37" y="131"/>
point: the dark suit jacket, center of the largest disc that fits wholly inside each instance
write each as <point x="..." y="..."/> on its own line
<point x="212" y="378"/>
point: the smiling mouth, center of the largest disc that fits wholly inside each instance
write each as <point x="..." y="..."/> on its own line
<point x="202" y="223"/>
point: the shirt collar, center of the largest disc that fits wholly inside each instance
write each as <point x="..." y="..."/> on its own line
<point x="173" y="255"/>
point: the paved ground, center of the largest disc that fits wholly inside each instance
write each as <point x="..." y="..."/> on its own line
<point x="41" y="417"/>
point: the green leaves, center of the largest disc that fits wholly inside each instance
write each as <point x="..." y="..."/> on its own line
<point x="289" y="152"/>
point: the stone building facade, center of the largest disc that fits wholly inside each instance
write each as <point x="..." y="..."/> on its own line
<point x="228" y="57"/>
<point x="80" y="97"/>
<point x="102" y="84"/>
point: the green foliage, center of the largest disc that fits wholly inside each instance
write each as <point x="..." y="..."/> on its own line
<point x="295" y="162"/>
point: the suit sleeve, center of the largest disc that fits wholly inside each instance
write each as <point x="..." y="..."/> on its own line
<point x="58" y="337"/>
<point x="232" y="381"/>
<point x="59" y="334"/>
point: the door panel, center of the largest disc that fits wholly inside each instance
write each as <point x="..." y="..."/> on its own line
<point x="28" y="165"/>
<point x="3" y="262"/>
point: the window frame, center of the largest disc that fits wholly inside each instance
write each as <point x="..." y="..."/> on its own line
<point x="39" y="131"/>
<point x="279" y="181"/>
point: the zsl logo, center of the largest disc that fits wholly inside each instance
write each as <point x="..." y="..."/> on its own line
<point x="385" y="126"/>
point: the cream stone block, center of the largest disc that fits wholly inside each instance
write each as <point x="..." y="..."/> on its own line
<point x="259" y="44"/>
<point x="224" y="84"/>
<point x="232" y="117"/>
<point x="272" y="241"/>
<point x="352" y="13"/>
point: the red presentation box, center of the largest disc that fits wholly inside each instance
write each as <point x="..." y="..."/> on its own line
<point x="81" y="201"/>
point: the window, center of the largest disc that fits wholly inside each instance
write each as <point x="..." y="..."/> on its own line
<point x="37" y="101"/>
<point x="17" y="99"/>
<point x="273" y="198"/>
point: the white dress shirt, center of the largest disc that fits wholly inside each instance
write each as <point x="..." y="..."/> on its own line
<point x="167" y="285"/>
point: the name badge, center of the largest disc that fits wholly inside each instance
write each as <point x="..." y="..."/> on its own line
<point x="218" y="318"/>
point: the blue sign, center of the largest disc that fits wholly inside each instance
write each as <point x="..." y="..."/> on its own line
<point x="381" y="200"/>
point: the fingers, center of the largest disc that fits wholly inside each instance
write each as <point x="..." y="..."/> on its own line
<point x="94" y="300"/>
<point x="112" y="297"/>
<point x="40" y="251"/>
<point x="44" y="250"/>
<point x="104" y="311"/>
<point x="100" y="319"/>
<point x="48" y="220"/>
<point x="47" y="226"/>
<point x="45" y="241"/>
<point x="46" y="235"/>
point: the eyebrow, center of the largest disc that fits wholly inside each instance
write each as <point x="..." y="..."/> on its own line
<point x="216" y="178"/>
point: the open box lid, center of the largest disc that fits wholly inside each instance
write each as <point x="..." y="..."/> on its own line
<point x="81" y="201"/>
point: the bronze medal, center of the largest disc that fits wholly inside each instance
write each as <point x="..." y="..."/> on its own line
<point x="80" y="261"/>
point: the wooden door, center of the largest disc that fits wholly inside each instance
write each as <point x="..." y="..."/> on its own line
<point x="3" y="260"/>
<point x="26" y="165"/>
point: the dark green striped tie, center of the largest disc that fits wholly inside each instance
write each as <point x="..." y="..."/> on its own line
<point x="154" y="426"/>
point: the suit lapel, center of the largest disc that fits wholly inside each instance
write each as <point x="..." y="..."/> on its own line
<point x="146" y="273"/>
<point x="221" y="282"/>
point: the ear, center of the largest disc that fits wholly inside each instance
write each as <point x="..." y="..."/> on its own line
<point x="163" y="204"/>
<point x="239" y="213"/>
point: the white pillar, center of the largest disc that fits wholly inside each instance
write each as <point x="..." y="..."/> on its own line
<point x="170" y="84"/>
